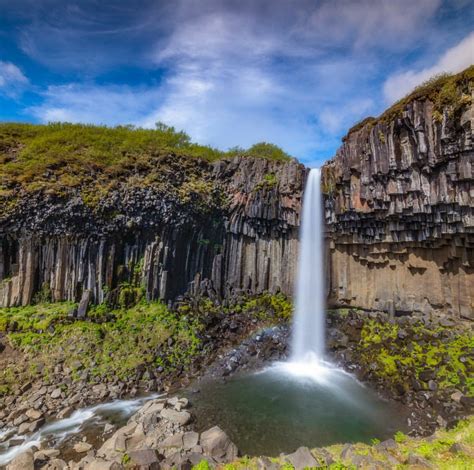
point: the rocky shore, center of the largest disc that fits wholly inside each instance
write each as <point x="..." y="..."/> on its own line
<point x="161" y="435"/>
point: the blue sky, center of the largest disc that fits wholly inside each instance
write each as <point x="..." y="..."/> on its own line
<point x="297" y="73"/>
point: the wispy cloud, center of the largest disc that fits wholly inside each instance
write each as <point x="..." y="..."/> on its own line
<point x="453" y="60"/>
<point x="12" y="79"/>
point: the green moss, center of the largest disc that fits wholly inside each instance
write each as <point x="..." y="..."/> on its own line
<point x="268" y="307"/>
<point x="444" y="351"/>
<point x="400" y="437"/>
<point x="115" y="342"/>
<point x="202" y="465"/>
<point x="34" y="318"/>
<point x="269" y="181"/>
<point x="113" y="346"/>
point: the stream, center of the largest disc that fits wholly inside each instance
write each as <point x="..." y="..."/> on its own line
<point x="88" y="421"/>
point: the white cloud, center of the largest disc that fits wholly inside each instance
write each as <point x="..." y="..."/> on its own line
<point x="11" y="78"/>
<point x="453" y="60"/>
<point x="370" y="23"/>
<point x="89" y="103"/>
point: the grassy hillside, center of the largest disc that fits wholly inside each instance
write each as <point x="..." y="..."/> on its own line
<point x="61" y="156"/>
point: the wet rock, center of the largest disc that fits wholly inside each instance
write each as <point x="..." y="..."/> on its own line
<point x="16" y="442"/>
<point x="65" y="412"/>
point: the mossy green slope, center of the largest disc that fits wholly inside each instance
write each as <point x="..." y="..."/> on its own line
<point x="115" y="342"/>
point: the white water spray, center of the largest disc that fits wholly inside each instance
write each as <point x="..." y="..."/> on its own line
<point x="308" y="327"/>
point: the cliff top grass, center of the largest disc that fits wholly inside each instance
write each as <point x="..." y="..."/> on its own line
<point x="46" y="157"/>
<point x="443" y="90"/>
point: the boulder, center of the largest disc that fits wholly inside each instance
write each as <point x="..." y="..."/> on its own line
<point x="20" y="420"/>
<point x="81" y="447"/>
<point x="264" y="463"/>
<point x="24" y="461"/>
<point x="144" y="459"/>
<point x="301" y="458"/>
<point x="218" y="445"/>
<point x="35" y="425"/>
<point x="174" y="441"/>
<point x="65" y="412"/>
<point x="56" y="464"/>
<point x="190" y="440"/>
<point x="177" y="417"/>
<point x="56" y="393"/>
<point x="457" y="396"/>
<point x="34" y="414"/>
<point x="98" y="464"/>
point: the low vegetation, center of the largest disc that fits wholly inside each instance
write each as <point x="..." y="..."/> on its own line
<point x="59" y="157"/>
<point x="441" y="352"/>
<point x="117" y="342"/>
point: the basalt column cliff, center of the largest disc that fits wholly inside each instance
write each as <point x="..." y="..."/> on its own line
<point x="399" y="205"/>
<point x="197" y="227"/>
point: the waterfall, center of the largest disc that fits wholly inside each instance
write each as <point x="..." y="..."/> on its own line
<point x="308" y="327"/>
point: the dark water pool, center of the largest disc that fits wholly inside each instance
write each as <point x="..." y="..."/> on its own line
<point x="287" y="406"/>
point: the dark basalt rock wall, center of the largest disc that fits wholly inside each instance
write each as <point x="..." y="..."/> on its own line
<point x="400" y="213"/>
<point x="232" y="226"/>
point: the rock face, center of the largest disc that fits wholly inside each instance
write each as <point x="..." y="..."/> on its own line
<point x="226" y="226"/>
<point x="400" y="212"/>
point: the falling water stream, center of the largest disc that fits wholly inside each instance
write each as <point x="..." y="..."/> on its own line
<point x="308" y="326"/>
